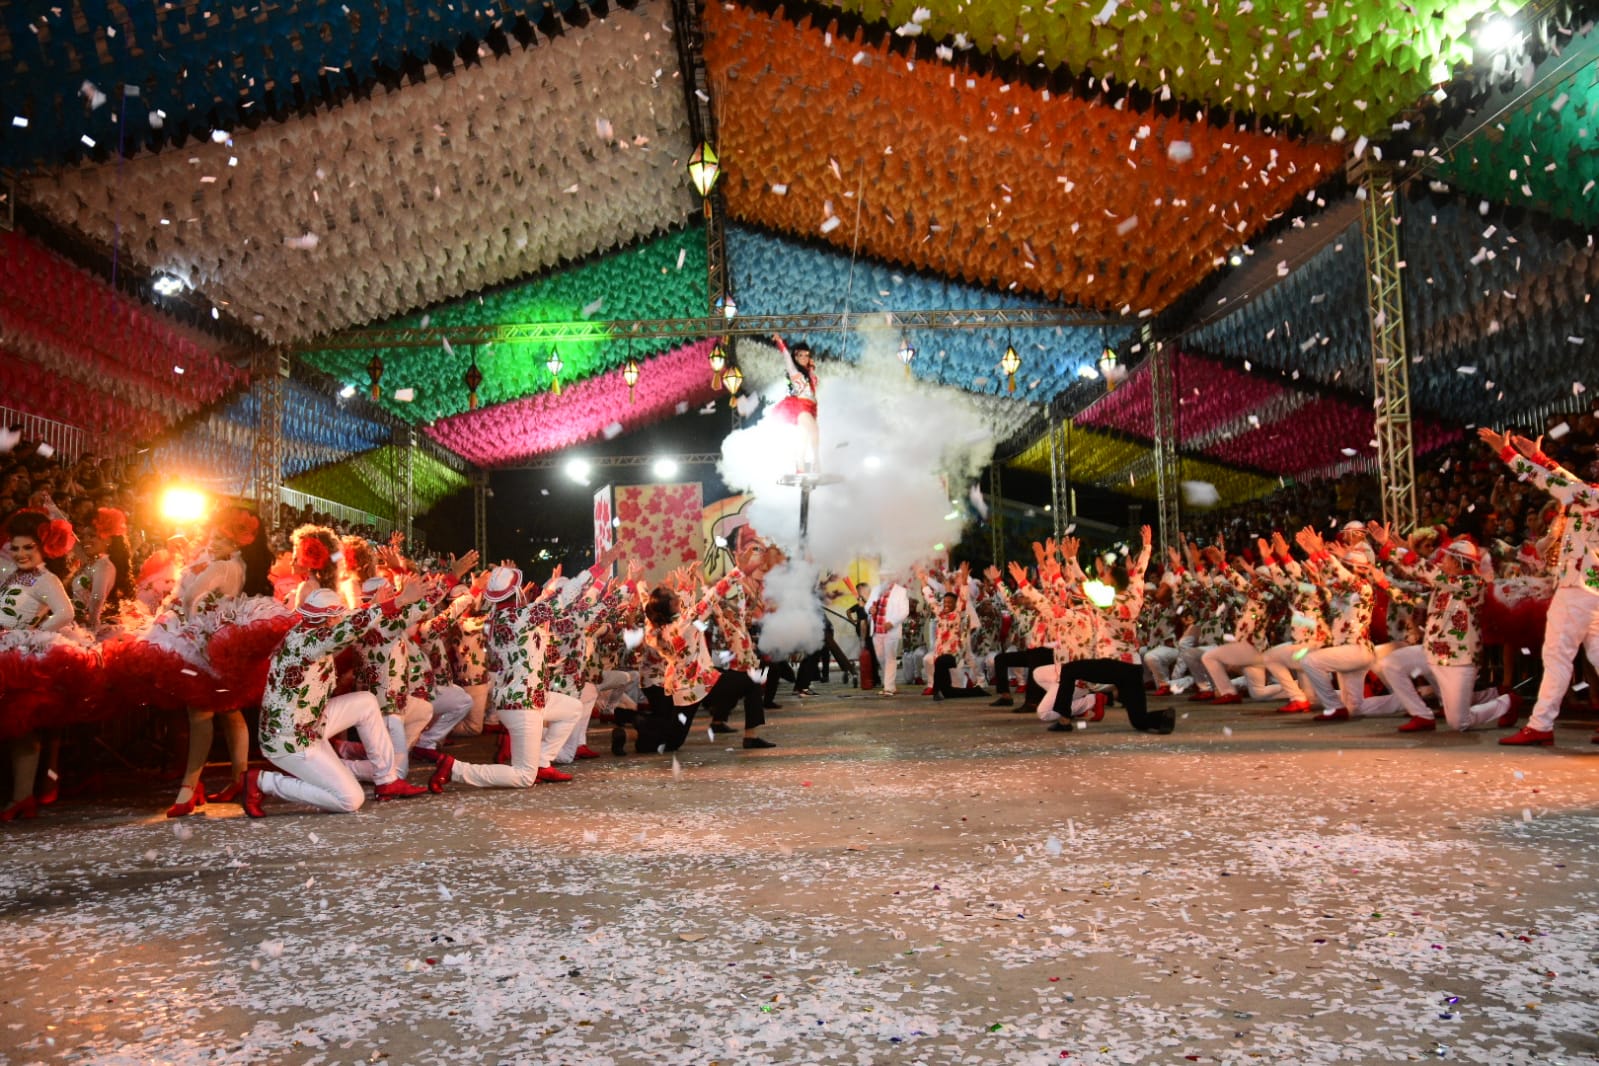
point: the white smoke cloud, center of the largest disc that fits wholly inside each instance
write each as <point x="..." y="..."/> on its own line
<point x="905" y="450"/>
<point x="793" y="621"/>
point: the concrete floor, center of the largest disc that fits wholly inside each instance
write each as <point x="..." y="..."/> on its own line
<point x="899" y="882"/>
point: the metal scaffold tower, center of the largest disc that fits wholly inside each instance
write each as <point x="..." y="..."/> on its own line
<point x="405" y="481"/>
<point x="269" y="372"/>
<point x="996" y="514"/>
<point x="1057" y="474"/>
<point x="480" y="513"/>
<point x="1168" y="461"/>
<point x="1390" y="366"/>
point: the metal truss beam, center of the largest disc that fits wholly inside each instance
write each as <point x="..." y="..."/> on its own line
<point x="710" y="326"/>
<point x="1390" y="367"/>
<point x="270" y="371"/>
<point x="690" y="36"/>
<point x="1168" y="460"/>
<point x="616" y="462"/>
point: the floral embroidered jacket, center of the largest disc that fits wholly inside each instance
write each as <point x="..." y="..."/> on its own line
<point x="302" y="673"/>
<point x="1451" y="637"/>
<point x="1578" y="567"/>
<point x="689" y="671"/>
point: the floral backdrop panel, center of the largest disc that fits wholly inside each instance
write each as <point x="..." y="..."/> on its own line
<point x="660" y="526"/>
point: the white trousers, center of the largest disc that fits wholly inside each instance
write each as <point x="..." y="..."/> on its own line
<point x="1241" y="658"/>
<point x="451" y="705"/>
<point x="1453" y="684"/>
<point x="1573" y="623"/>
<point x="1048" y="678"/>
<point x="405" y="729"/>
<point x="580" y="732"/>
<point x="1282" y="660"/>
<point x="319" y="777"/>
<point x="525" y="727"/>
<point x="1192" y="655"/>
<point x="562" y="715"/>
<point x="910" y="664"/>
<point x="1349" y="663"/>
<point x="619" y="688"/>
<point x="472" y="724"/>
<point x="1158" y="663"/>
<point x="887" y="647"/>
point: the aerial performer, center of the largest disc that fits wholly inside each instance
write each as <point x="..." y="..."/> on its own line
<point x="798" y="408"/>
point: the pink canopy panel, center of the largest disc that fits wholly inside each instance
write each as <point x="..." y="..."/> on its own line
<point x="546" y="422"/>
<point x="74" y="348"/>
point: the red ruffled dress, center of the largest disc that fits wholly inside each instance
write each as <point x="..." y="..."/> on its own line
<point x="50" y="669"/>
<point x="208" y="649"/>
<point x="801" y="398"/>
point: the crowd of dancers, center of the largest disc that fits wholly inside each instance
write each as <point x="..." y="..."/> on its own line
<point x="349" y="637"/>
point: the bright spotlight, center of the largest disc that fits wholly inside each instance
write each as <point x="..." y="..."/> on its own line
<point x="1087" y="373"/>
<point x="168" y="285"/>
<point x="1497" y="35"/>
<point x="1236" y="259"/>
<point x="665" y="468"/>
<point x="1099" y="593"/>
<point x="872" y="462"/>
<point x="578" y="470"/>
<point x="346" y="392"/>
<point x="183" y="506"/>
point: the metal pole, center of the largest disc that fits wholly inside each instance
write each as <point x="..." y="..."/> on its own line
<point x="996" y="514"/>
<point x="480" y="513"/>
<point x="271" y="369"/>
<point x="1390" y="367"/>
<point x="1168" y="461"/>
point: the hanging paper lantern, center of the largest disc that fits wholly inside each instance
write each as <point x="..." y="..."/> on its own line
<point x="704" y="168"/>
<point x="554" y="363"/>
<point x="733" y="380"/>
<point x="718" y="361"/>
<point x="726" y="306"/>
<point x="906" y="353"/>
<point x="630" y="374"/>
<point x="1109" y="369"/>
<point x="374" y="372"/>
<point x="1010" y="363"/>
<point x="474" y="378"/>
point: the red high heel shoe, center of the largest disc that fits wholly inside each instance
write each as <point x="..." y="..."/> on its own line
<point x="27" y="807"/>
<point x="229" y="794"/>
<point x="196" y="801"/>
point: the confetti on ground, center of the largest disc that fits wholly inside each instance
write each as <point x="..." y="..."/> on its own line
<point x="918" y="904"/>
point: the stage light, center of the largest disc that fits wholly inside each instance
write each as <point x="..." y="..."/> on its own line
<point x="1099" y="593"/>
<point x="578" y="470"/>
<point x="872" y="462"/>
<point x="1497" y="35"/>
<point x="183" y="506"/>
<point x="347" y="392"/>
<point x="665" y="468"/>
<point x="169" y="285"/>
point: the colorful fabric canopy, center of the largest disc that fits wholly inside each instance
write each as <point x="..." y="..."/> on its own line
<point x="193" y="66"/>
<point x="597" y="406"/>
<point x="405" y="199"/>
<point x="1487" y="301"/>
<point x="73" y="348"/>
<point x="1091" y="457"/>
<point x="1327" y="65"/>
<point x="366" y="482"/>
<point x="663" y="278"/>
<point x="774" y="275"/>
<point x="968" y="176"/>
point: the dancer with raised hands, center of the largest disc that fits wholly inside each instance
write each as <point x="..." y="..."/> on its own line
<point x="1573" y="622"/>
<point x="798" y="408"/>
<point x="299" y="713"/>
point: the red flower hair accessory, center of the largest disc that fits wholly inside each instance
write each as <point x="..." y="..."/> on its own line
<point x="110" y="522"/>
<point x="311" y="554"/>
<point x="57" y="538"/>
<point x="238" y="525"/>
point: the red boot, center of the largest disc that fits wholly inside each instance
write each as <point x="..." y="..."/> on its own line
<point x="1417" y="724"/>
<point x="441" y="776"/>
<point x="1527" y="736"/>
<point x="551" y="774"/>
<point x="1225" y="698"/>
<point x="586" y="752"/>
<point x="251" y="800"/>
<point x="399" y="788"/>
<point x="1098" y="713"/>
